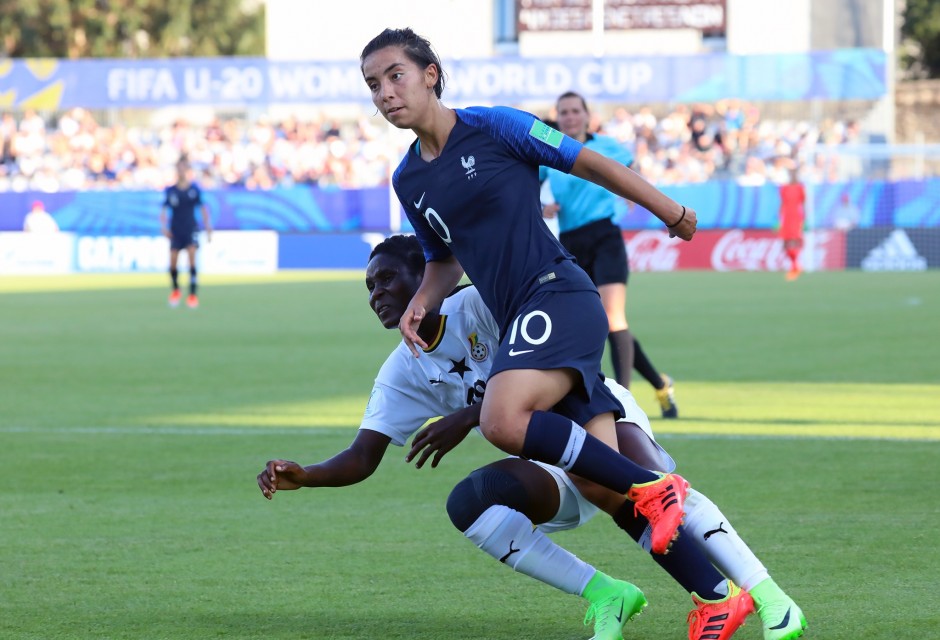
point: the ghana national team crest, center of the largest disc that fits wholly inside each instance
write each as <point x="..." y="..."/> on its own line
<point x="478" y="350"/>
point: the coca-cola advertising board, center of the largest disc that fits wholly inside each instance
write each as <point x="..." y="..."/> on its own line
<point x="731" y="250"/>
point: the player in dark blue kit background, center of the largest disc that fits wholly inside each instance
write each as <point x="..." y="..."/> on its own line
<point x="181" y="201"/>
<point x="469" y="185"/>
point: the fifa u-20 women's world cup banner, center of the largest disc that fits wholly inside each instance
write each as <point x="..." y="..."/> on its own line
<point x="840" y="74"/>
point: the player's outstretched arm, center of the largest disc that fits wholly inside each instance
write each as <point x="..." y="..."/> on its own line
<point x="442" y="435"/>
<point x="626" y="183"/>
<point x="350" y="466"/>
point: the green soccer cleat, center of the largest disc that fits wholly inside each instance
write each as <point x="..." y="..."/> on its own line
<point x="667" y="398"/>
<point x="613" y="604"/>
<point x="781" y="618"/>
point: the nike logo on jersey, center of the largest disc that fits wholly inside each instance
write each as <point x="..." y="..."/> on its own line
<point x="420" y="200"/>
<point x="709" y="534"/>
<point x="513" y="352"/>
<point x="511" y="551"/>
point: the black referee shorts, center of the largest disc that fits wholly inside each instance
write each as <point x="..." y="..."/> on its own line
<point x="600" y="250"/>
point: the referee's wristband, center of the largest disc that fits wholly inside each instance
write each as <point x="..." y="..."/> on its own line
<point x="676" y="223"/>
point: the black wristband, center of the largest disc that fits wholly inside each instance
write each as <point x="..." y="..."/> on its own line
<point x="676" y="223"/>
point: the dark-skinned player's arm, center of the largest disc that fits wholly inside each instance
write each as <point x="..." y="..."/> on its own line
<point x="350" y="466"/>
<point x="442" y="435"/>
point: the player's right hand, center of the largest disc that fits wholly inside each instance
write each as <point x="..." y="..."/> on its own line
<point x="408" y="325"/>
<point x="280" y="474"/>
<point x="550" y="210"/>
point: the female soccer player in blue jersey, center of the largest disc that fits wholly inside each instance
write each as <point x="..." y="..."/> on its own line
<point x="469" y="185"/>
<point x="181" y="200"/>
<point x="585" y="214"/>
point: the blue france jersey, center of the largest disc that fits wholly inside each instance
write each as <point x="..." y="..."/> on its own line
<point x="182" y="204"/>
<point x="479" y="201"/>
<point x="583" y="202"/>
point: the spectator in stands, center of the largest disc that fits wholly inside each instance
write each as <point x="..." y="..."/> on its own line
<point x="846" y="215"/>
<point x="38" y="220"/>
<point x="755" y="173"/>
<point x="71" y="151"/>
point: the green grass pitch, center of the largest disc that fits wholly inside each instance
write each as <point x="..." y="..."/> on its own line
<point x="131" y="434"/>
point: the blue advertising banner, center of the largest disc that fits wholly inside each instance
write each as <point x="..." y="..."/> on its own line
<point x="720" y="204"/>
<point x="841" y="74"/>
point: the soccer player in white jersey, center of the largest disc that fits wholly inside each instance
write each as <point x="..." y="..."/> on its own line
<point x="495" y="505"/>
<point x="469" y="186"/>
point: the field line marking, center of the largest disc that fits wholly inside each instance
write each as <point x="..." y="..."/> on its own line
<point x="931" y="436"/>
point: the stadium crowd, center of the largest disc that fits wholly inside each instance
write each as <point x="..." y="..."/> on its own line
<point x="72" y="151"/>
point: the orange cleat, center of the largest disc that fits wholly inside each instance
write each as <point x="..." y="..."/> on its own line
<point x="660" y="502"/>
<point x="192" y="301"/>
<point x="175" y="298"/>
<point x="719" y="619"/>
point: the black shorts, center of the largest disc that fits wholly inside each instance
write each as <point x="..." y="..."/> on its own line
<point x="183" y="239"/>
<point x="600" y="250"/>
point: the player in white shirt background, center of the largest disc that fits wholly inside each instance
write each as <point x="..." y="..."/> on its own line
<point x="495" y="505"/>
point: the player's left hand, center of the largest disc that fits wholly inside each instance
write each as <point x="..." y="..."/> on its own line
<point x="280" y="474"/>
<point x="438" y="438"/>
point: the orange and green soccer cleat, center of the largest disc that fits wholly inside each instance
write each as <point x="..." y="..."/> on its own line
<point x="660" y="502"/>
<point x="719" y="619"/>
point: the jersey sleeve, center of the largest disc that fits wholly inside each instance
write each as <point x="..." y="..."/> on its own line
<point x="392" y="413"/>
<point x="397" y="407"/>
<point x="530" y="139"/>
<point x="166" y="197"/>
<point x="198" y="199"/>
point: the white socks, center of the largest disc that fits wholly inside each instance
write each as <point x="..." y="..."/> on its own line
<point x="721" y="543"/>
<point x="509" y="536"/>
